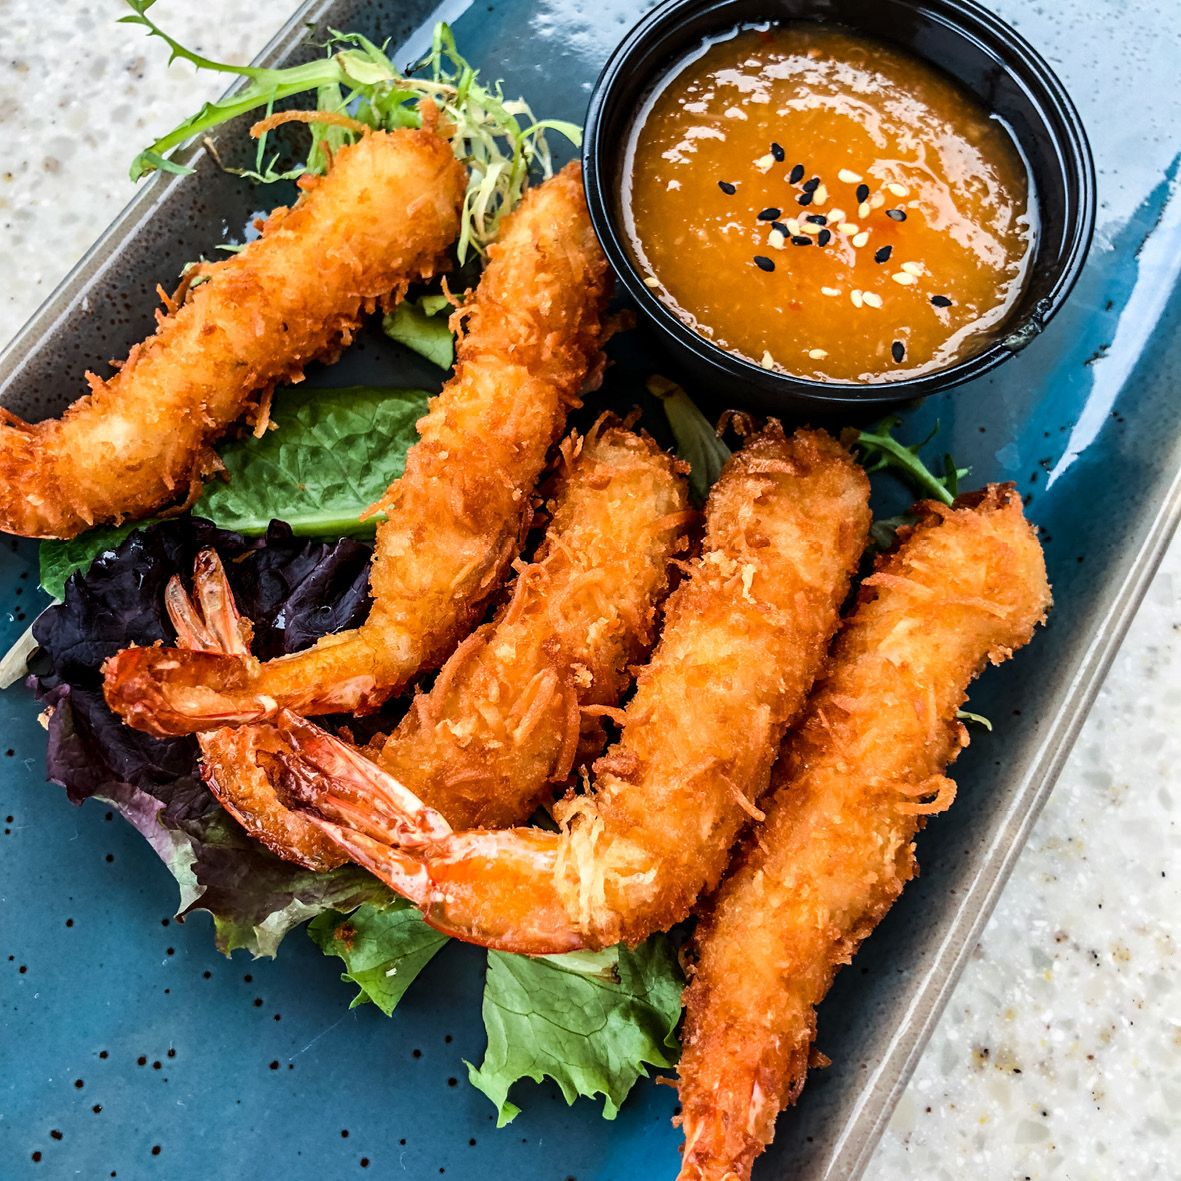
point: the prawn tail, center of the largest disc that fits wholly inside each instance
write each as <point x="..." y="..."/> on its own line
<point x="203" y="683"/>
<point x="326" y="776"/>
<point x="171" y="692"/>
<point x="213" y="624"/>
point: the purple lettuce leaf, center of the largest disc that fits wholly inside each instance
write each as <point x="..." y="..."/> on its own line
<point x="294" y="590"/>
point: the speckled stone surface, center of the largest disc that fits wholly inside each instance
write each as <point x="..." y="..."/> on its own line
<point x="1059" y="1054"/>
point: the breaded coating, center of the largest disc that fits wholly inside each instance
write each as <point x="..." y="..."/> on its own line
<point x="743" y="637"/>
<point x="382" y="218"/>
<point x="855" y="782"/>
<point x="531" y="344"/>
<point x="505" y="719"/>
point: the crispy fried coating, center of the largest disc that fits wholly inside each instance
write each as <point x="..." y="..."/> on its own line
<point x="743" y="637"/>
<point x="504" y="720"/>
<point x="532" y="341"/>
<point x="854" y="783"/>
<point x="382" y="218"/>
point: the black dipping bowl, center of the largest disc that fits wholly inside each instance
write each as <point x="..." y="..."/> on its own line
<point x="959" y="37"/>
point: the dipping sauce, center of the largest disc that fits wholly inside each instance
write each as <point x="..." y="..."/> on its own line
<point x="828" y="206"/>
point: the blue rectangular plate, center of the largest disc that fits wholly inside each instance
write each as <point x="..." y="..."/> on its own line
<point x="226" y="1067"/>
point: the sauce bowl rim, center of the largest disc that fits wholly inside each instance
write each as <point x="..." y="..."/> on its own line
<point x="1059" y="120"/>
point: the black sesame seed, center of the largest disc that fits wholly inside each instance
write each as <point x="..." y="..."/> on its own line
<point x="796" y="175"/>
<point x="862" y="193"/>
<point x="810" y="186"/>
<point x="941" y="301"/>
<point x="801" y="240"/>
<point x="898" y="351"/>
<point x="805" y="198"/>
<point x="778" y="225"/>
<point x="769" y="214"/>
<point x="883" y="255"/>
<point x="824" y="237"/>
<point x="764" y="263"/>
<point x="727" y="188"/>
<point x="896" y="214"/>
<point x="817" y="219"/>
<point x="778" y="152"/>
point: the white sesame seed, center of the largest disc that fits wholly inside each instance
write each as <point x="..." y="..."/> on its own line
<point x="651" y="281"/>
<point x="735" y="113"/>
<point x="856" y="296"/>
<point x="764" y="163"/>
<point x="860" y="240"/>
<point x="775" y="239"/>
<point x="768" y="361"/>
<point x="846" y="176"/>
<point x="903" y="278"/>
<point x="848" y="227"/>
<point x="877" y="201"/>
<point x="898" y="190"/>
<point x="872" y="299"/>
<point x="793" y="227"/>
<point x="830" y="291"/>
<point x="835" y="215"/>
<point x="863" y="210"/>
<point x="913" y="268"/>
<point x="817" y="354"/>
<point x="810" y="228"/>
<point x="819" y="195"/>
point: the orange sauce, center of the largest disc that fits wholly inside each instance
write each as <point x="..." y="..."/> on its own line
<point x="828" y="206"/>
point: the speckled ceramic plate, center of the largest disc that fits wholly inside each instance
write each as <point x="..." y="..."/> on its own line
<point x="131" y="1048"/>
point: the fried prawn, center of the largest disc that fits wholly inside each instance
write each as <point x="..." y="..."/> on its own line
<point x="380" y="219"/>
<point x="743" y="637"/>
<point x="519" y="702"/>
<point x="855" y="782"/>
<point x="530" y="345"/>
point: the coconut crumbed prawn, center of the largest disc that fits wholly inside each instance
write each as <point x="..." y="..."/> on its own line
<point x="531" y="343"/>
<point x="855" y="782"/>
<point x="742" y="639"/>
<point x="519" y="701"/>
<point x="382" y="218"/>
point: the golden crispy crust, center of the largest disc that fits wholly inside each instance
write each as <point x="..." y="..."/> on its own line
<point x="966" y="586"/>
<point x="533" y="338"/>
<point x="742" y="640"/>
<point x="381" y="218"/>
<point x="503" y="721"/>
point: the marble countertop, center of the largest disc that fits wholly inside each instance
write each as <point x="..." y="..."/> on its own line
<point x="1059" y="1054"/>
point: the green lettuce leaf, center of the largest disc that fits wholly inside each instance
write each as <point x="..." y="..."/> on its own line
<point x="591" y="1022"/>
<point x="697" y="442"/>
<point x="333" y="454"/>
<point x="384" y="944"/>
<point x="422" y="325"/>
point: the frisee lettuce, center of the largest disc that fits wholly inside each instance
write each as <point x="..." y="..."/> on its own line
<point x="591" y="1021"/>
<point x="878" y="450"/>
<point x="332" y="454"/>
<point x="499" y="139"/>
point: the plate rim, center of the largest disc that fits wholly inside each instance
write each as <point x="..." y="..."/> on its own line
<point x="1121" y="593"/>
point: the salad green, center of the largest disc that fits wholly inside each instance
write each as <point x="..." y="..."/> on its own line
<point x="498" y="139"/>
<point x="332" y="454"/>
